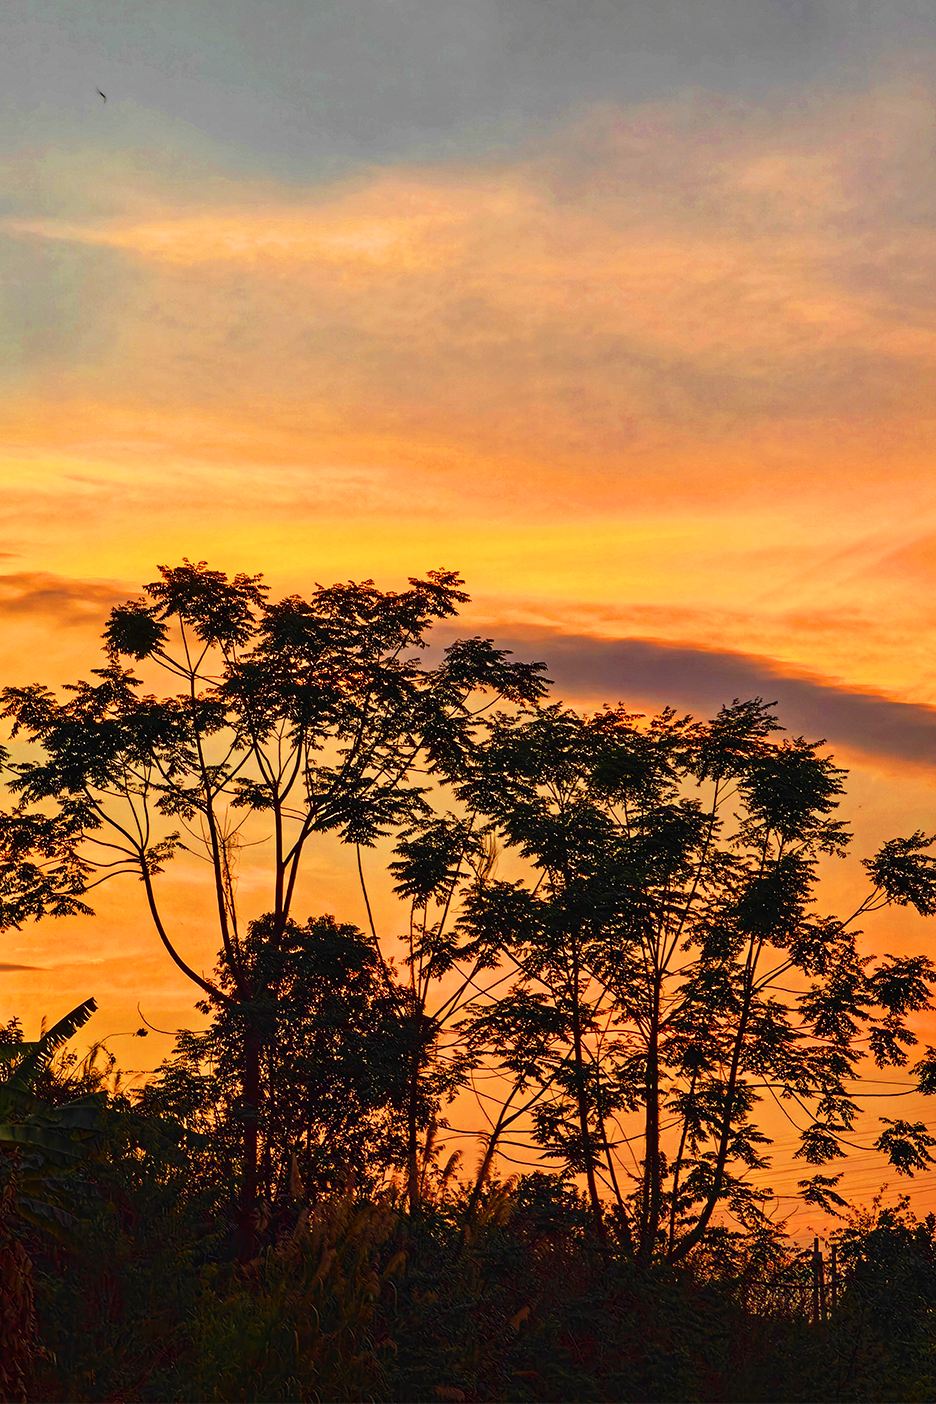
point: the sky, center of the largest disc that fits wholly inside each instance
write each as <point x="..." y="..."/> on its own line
<point x="626" y="311"/>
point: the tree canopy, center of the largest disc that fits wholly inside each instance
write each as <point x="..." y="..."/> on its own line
<point x="311" y="716"/>
<point x="671" y="967"/>
<point x="653" y="970"/>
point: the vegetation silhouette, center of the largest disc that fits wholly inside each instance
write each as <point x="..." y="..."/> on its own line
<point x="670" y="905"/>
<point x="269" y="1217"/>
<point x="314" y="714"/>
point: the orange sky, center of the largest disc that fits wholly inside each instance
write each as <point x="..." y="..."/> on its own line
<point x="637" y="333"/>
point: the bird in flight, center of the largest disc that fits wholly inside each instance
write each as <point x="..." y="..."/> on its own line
<point x="100" y="94"/>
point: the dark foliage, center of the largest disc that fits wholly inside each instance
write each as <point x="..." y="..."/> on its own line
<point x="269" y="1217"/>
<point x="334" y="1035"/>
<point x="352" y="1297"/>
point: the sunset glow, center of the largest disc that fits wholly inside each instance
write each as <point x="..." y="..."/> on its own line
<point x="646" y="352"/>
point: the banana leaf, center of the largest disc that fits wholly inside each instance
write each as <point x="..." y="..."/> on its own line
<point x="38" y="1056"/>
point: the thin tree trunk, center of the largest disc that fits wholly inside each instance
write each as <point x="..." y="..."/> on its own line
<point x="484" y="1169"/>
<point x="696" y="1233"/>
<point x="582" y="1100"/>
<point x="412" y="1108"/>
<point x="251" y="1105"/>
<point x="412" y="1149"/>
<point x="651" y="1186"/>
<point x="627" y="1237"/>
<point x="678" y="1166"/>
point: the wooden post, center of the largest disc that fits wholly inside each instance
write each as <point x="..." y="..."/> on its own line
<point x="816" y="1276"/>
<point x="834" y="1279"/>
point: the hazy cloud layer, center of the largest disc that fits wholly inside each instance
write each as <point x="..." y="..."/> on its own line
<point x="64" y="601"/>
<point x="317" y="85"/>
<point x="613" y="303"/>
<point x="645" y="672"/>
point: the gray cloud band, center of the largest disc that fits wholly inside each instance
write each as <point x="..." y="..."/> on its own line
<point x="638" y="672"/>
<point x="642" y="672"/>
<point x="67" y="601"/>
<point x="332" y="85"/>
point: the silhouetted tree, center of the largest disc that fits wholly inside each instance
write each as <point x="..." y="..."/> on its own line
<point x="880" y="1343"/>
<point x="314" y="716"/>
<point x="333" y="1051"/>
<point x="655" y="946"/>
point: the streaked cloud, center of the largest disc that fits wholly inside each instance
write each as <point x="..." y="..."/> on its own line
<point x="625" y="296"/>
<point x="643" y="671"/>
<point x="66" y="602"/>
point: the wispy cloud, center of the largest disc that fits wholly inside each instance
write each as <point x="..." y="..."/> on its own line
<point x="661" y="281"/>
<point x="68" y="602"/>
